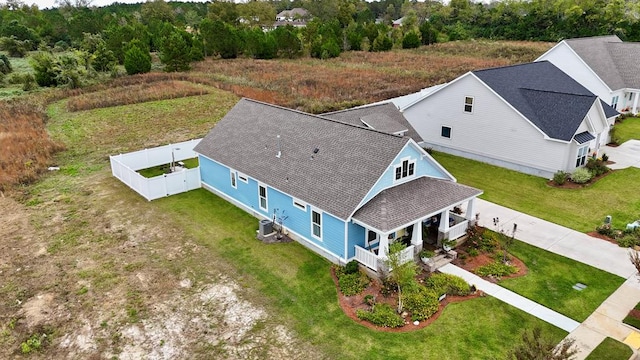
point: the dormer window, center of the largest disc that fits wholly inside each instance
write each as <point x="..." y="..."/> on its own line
<point x="406" y="169"/>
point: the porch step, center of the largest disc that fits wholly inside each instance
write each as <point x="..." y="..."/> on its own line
<point x="439" y="261"/>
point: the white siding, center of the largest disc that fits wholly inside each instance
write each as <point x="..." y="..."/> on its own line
<point x="568" y="61"/>
<point x="494" y="133"/>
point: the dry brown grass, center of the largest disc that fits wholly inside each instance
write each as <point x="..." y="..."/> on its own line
<point x="134" y="94"/>
<point x="25" y="145"/>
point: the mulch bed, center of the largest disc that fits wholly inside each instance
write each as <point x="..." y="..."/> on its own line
<point x="350" y="304"/>
<point x="571" y="185"/>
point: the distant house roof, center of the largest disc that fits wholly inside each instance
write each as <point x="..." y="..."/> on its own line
<point x="614" y="61"/>
<point x="398" y="22"/>
<point x="397" y="206"/>
<point x="544" y="94"/>
<point x="335" y="178"/>
<point x="290" y="14"/>
<point x="381" y="116"/>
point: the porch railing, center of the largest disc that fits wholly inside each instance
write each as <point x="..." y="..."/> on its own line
<point x="406" y="254"/>
<point x="458" y="230"/>
<point x="367" y="258"/>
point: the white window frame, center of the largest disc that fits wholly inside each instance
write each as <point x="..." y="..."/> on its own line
<point x="314" y="224"/>
<point x="301" y="205"/>
<point x="582" y="155"/>
<point x="405" y="172"/>
<point x="470" y="105"/>
<point x="614" y="102"/>
<point x="450" y="130"/>
<point x="266" y="197"/>
<point x="233" y="177"/>
<point x="243" y="177"/>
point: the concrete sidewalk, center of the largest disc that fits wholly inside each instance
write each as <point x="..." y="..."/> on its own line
<point x="513" y="299"/>
<point x="558" y="239"/>
<point x="607" y="319"/>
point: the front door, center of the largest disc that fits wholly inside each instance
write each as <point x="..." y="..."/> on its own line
<point x="373" y="239"/>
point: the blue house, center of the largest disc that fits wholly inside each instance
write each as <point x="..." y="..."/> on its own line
<point x="348" y="190"/>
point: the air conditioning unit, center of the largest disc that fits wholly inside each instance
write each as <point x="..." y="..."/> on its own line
<point x="265" y="227"/>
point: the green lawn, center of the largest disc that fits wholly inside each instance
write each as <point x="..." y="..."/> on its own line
<point x="551" y="277"/>
<point x="162" y="169"/>
<point x="579" y="209"/>
<point x="628" y="129"/>
<point x="611" y="349"/>
<point x="297" y="286"/>
<point x="633" y="321"/>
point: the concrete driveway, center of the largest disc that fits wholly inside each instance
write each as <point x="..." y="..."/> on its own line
<point x="625" y="155"/>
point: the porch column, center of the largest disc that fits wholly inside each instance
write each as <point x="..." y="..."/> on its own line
<point x="470" y="215"/>
<point x="383" y="250"/>
<point x="443" y="228"/>
<point x="635" y="103"/>
<point x="416" y="236"/>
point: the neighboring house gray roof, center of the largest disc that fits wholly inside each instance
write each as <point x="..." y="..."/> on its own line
<point x="544" y="94"/>
<point x="300" y="12"/>
<point x="387" y="110"/>
<point x="384" y="123"/>
<point x="583" y="137"/>
<point x="349" y="161"/>
<point x="403" y="204"/>
<point x="614" y="61"/>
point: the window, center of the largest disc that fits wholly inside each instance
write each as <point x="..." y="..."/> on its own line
<point x="262" y="194"/>
<point x="468" y="104"/>
<point x="372" y="238"/>
<point x="300" y="204"/>
<point x="316" y="224"/>
<point x="614" y="102"/>
<point x="233" y="180"/>
<point x="446" y="132"/>
<point x="243" y="177"/>
<point x="582" y="156"/>
<point x="630" y="96"/>
<point x="406" y="169"/>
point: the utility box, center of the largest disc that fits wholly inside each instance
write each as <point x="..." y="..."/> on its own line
<point x="265" y="227"/>
<point x="607" y="219"/>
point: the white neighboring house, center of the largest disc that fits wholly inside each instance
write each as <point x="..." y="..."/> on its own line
<point x="532" y="118"/>
<point x="606" y="65"/>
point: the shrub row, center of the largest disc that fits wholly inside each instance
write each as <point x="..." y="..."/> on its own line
<point x="422" y="303"/>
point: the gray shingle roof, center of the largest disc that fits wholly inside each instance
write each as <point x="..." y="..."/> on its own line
<point x="349" y="161"/>
<point x="609" y="112"/>
<point x="383" y="123"/>
<point x="583" y="137"/>
<point x="544" y="94"/>
<point x="614" y="61"/>
<point x="354" y="115"/>
<point x="402" y="204"/>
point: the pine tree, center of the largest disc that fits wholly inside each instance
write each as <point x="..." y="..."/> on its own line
<point x="175" y="54"/>
<point x="137" y="61"/>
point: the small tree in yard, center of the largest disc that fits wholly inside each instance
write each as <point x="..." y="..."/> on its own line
<point x="402" y="275"/>
<point x="137" y="61"/>
<point x="175" y="54"/>
<point x="535" y="347"/>
<point x="634" y="256"/>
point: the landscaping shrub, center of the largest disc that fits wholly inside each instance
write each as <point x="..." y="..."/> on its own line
<point x="560" y="177"/>
<point x="605" y="229"/>
<point x="352" y="284"/>
<point x="352" y="267"/>
<point x="497" y="269"/>
<point x="448" y="284"/>
<point x="422" y="303"/>
<point x="473" y="252"/>
<point x="381" y="315"/>
<point x="596" y="166"/>
<point x="581" y="176"/>
<point x="629" y="240"/>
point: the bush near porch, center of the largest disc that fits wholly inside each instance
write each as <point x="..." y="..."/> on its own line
<point x="573" y="208"/>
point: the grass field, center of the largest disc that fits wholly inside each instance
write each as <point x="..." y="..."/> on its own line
<point x="628" y="129"/>
<point x="550" y="279"/>
<point x="610" y="349"/>
<point x="579" y="209"/>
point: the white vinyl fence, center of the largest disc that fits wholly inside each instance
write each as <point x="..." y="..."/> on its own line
<point x="125" y="167"/>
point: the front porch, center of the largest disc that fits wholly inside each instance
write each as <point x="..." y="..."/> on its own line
<point x="428" y="230"/>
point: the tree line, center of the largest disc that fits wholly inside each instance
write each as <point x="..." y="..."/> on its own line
<point x="76" y="39"/>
